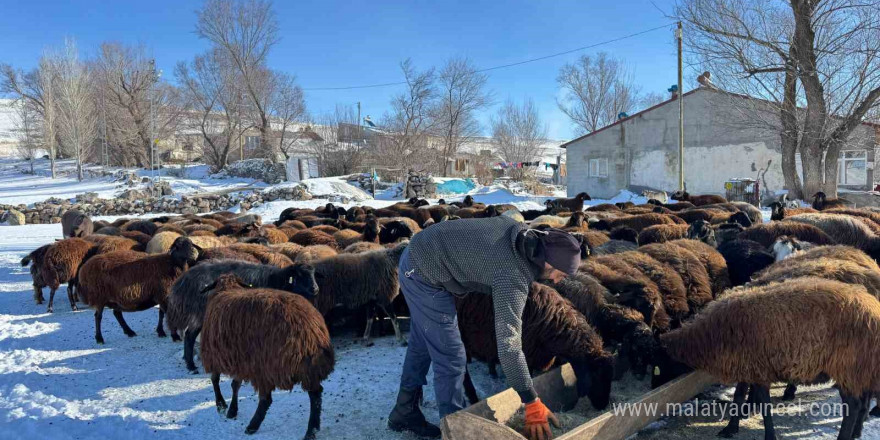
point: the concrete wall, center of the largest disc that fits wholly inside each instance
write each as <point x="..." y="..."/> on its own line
<point x="722" y="142"/>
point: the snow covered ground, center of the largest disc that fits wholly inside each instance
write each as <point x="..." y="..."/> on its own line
<point x="16" y="187"/>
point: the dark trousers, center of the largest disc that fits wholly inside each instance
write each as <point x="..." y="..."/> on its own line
<point x="433" y="337"/>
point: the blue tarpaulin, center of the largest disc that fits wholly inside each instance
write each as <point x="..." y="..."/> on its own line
<point x="456" y="186"/>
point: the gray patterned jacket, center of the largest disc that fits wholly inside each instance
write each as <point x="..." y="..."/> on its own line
<point x="484" y="256"/>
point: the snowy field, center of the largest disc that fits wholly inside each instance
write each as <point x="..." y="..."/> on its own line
<point x="56" y="383"/>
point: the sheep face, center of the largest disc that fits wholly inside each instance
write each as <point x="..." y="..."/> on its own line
<point x="727" y="232"/>
<point x="594" y="379"/>
<point x="785" y="247"/>
<point x="583" y="196"/>
<point x="393" y="231"/>
<point x="640" y="348"/>
<point x="300" y="279"/>
<point x="777" y="211"/>
<point x="681" y="196"/>
<point x="741" y="218"/>
<point x="700" y="230"/>
<point x="184" y="251"/>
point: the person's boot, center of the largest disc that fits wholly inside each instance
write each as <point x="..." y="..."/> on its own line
<point x="407" y="416"/>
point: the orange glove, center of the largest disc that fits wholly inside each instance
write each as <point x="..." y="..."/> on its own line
<point x="537" y="426"/>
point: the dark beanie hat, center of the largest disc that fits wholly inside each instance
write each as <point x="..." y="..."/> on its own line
<point x="561" y="250"/>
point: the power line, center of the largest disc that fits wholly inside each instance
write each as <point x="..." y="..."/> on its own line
<point x="504" y="66"/>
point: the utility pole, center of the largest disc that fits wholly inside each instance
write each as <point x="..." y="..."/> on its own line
<point x="679" y="36"/>
<point x="360" y="130"/>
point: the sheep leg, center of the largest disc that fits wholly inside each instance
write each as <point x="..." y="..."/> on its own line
<point x="160" y="330"/>
<point x="51" y="308"/>
<point x="853" y="409"/>
<point x="38" y="294"/>
<point x="789" y="393"/>
<point x="739" y="396"/>
<point x="315" y="402"/>
<point x="469" y="390"/>
<point x="863" y="414"/>
<point x="218" y="395"/>
<point x="371" y="316"/>
<point x="762" y="398"/>
<point x="394" y="323"/>
<point x="233" y="405"/>
<point x="125" y="328"/>
<point x="262" y="407"/>
<point x="99" y="313"/>
<point x="71" y="296"/>
<point x="188" y="346"/>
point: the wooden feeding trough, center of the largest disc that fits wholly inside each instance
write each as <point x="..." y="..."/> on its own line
<point x="486" y="420"/>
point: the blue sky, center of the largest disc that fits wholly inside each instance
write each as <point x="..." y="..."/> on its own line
<point x="343" y="43"/>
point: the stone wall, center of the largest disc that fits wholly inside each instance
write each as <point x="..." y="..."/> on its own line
<point x="137" y="202"/>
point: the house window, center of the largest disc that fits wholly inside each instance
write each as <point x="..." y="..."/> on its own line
<point x="461" y="165"/>
<point x="852" y="167"/>
<point x="599" y="167"/>
<point x="251" y="142"/>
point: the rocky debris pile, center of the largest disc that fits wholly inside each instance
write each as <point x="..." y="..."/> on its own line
<point x="420" y="184"/>
<point x="259" y="169"/>
<point x="138" y="202"/>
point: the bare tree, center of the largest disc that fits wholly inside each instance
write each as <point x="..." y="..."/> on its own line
<point x="815" y="64"/>
<point x="517" y="132"/>
<point x="462" y="94"/>
<point x="338" y="151"/>
<point x="137" y="106"/>
<point x="596" y="90"/>
<point x="27" y="131"/>
<point x="245" y="30"/>
<point x="651" y="99"/>
<point x="210" y="84"/>
<point x="288" y="107"/>
<point x="408" y="125"/>
<point x="38" y="89"/>
<point x="77" y="116"/>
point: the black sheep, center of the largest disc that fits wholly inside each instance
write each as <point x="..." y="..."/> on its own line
<point x="744" y="259"/>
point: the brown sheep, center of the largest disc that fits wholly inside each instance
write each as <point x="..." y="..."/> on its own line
<point x="669" y="283"/>
<point x="362" y="247"/>
<point x="207" y="242"/>
<point x="872" y="219"/>
<point x="288" y="231"/>
<point x="225" y="253"/>
<point x="128" y="281"/>
<point x="370" y="234"/>
<point x="275" y="236"/>
<point x="264" y="254"/>
<point x="161" y="242"/>
<point x="193" y="228"/>
<point x="636" y="292"/>
<point x="635" y="222"/>
<point x="689" y="268"/>
<point x="270" y="338"/>
<point x="574" y="204"/>
<point x="310" y="237"/>
<point x="35" y="260"/>
<point x="576" y="223"/>
<point x="593" y="239"/>
<point x="171" y="227"/>
<point x="826" y="253"/>
<point x="76" y="224"/>
<point x="145" y="226"/>
<point x="551" y="328"/>
<point x="839" y="270"/>
<point x="713" y="261"/>
<point x="844" y="230"/>
<point x="109" y="243"/>
<point x="678" y="206"/>
<point x="662" y="233"/>
<point x="615" y="323"/>
<point x="603" y="207"/>
<point x="138" y="236"/>
<point x="767" y="233"/>
<point x="327" y="229"/>
<point x="309" y="254"/>
<point x="699" y="200"/>
<point x="60" y="264"/>
<point x="290" y="250"/>
<point x="201" y="234"/>
<point x="692" y="215"/>
<point x="836" y="327"/>
<point x="358" y="280"/>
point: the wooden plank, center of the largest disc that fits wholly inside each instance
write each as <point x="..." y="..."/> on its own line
<point x="466" y="426"/>
<point x="609" y="426"/>
<point x="557" y="389"/>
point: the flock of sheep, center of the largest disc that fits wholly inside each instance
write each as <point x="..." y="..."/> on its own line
<point x="663" y="288"/>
